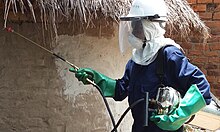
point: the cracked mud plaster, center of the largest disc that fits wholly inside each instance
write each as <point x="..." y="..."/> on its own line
<point x="104" y="56"/>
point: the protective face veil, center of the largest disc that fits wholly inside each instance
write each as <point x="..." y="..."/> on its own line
<point x="131" y="32"/>
<point x="143" y="30"/>
<point x="136" y="37"/>
<point x="135" y="42"/>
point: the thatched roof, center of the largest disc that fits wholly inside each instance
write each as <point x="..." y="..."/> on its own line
<point x="182" y="19"/>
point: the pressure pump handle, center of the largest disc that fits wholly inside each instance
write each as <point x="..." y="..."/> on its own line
<point x="146" y="104"/>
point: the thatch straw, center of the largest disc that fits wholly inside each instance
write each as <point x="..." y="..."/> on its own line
<point x="181" y="17"/>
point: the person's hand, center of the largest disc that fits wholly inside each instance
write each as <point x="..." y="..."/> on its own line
<point x="169" y="122"/>
<point x="106" y="84"/>
<point x="192" y="102"/>
<point x="83" y="74"/>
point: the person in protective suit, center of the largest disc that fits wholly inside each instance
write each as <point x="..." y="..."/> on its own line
<point x="143" y="29"/>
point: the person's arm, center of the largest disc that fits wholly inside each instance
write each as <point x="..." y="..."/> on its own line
<point x="106" y="84"/>
<point x="109" y="87"/>
<point x="197" y="94"/>
<point x="187" y="74"/>
<point x="122" y="85"/>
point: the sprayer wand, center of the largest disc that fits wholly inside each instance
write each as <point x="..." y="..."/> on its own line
<point x="9" y="29"/>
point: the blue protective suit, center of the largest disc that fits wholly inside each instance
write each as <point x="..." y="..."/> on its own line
<point x="138" y="79"/>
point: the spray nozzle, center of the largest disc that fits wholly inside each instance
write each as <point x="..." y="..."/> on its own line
<point x="9" y="29"/>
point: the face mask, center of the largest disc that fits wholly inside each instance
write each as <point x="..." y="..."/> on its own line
<point x="135" y="42"/>
<point x="153" y="30"/>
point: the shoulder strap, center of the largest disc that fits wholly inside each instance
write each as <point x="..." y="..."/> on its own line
<point x="160" y="67"/>
<point x="160" y="64"/>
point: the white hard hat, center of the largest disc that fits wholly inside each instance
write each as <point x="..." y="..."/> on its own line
<point x="154" y="10"/>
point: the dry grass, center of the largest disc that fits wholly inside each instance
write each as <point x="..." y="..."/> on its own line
<point x="182" y="18"/>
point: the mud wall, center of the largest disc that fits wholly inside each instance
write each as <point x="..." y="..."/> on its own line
<point x="39" y="94"/>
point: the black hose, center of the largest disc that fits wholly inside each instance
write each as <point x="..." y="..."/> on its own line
<point x="107" y="106"/>
<point x="126" y="111"/>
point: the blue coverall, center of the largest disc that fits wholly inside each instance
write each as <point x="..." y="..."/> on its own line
<point x="138" y="79"/>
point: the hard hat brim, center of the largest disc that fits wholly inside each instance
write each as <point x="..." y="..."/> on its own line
<point x="155" y="17"/>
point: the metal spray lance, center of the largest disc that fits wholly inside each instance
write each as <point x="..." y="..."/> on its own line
<point x="9" y="29"/>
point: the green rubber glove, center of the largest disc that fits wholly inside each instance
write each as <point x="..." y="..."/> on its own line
<point x="191" y="103"/>
<point x="106" y="84"/>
